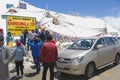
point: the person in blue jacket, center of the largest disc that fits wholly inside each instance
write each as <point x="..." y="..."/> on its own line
<point x="9" y="38"/>
<point x="36" y="44"/>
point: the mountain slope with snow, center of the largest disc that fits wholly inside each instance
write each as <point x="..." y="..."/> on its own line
<point x="68" y="25"/>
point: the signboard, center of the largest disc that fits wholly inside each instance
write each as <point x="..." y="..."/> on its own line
<point x="17" y="24"/>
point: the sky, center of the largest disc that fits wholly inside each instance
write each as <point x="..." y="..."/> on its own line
<point x="95" y="8"/>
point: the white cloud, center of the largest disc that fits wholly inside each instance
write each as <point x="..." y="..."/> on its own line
<point x="115" y="11"/>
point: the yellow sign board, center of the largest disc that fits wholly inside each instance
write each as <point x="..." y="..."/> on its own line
<point x="17" y="24"/>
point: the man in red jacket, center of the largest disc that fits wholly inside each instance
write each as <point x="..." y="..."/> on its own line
<point x="48" y="57"/>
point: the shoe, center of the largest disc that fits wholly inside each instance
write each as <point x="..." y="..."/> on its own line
<point x="37" y="72"/>
<point x="22" y="75"/>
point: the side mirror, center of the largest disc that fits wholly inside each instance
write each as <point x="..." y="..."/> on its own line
<point x="99" y="46"/>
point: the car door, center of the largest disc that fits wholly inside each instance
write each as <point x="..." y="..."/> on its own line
<point x="111" y="49"/>
<point x="101" y="52"/>
<point x="116" y="48"/>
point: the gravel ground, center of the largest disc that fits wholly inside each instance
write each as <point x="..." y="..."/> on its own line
<point x="29" y="71"/>
<point x="29" y="74"/>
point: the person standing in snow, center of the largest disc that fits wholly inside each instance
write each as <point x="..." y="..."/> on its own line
<point x="23" y="38"/>
<point x="5" y="56"/>
<point x="48" y="34"/>
<point x="1" y="33"/>
<point x="18" y="53"/>
<point x="29" y="35"/>
<point x="36" y="44"/>
<point x="48" y="57"/>
<point x="9" y="39"/>
<point x="43" y="35"/>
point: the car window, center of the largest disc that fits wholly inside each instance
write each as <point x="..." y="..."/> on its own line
<point x="83" y="44"/>
<point x="100" y="42"/>
<point x="109" y="41"/>
<point x="115" y="41"/>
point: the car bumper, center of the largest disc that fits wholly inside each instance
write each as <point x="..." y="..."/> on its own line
<point x="71" y="69"/>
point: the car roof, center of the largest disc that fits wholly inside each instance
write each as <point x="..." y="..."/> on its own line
<point x="88" y="38"/>
<point x="96" y="37"/>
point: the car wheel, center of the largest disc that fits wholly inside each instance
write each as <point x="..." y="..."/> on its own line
<point x="90" y="70"/>
<point x="117" y="59"/>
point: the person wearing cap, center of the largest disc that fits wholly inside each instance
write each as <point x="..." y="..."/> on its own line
<point x="18" y="54"/>
<point x="5" y="56"/>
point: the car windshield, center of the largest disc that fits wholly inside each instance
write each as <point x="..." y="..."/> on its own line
<point x="82" y="44"/>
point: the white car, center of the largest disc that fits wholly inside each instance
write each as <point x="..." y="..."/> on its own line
<point x="86" y="55"/>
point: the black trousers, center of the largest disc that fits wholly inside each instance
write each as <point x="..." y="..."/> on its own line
<point x="19" y="67"/>
<point x="51" y="69"/>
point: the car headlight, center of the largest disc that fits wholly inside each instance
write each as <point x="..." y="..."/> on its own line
<point x="77" y="60"/>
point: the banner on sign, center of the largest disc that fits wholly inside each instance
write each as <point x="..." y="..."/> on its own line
<point x="17" y="24"/>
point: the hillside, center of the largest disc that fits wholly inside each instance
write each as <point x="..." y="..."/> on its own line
<point x="63" y="24"/>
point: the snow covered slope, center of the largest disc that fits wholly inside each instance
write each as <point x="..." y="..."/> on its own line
<point x="68" y="25"/>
